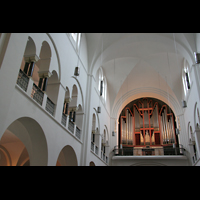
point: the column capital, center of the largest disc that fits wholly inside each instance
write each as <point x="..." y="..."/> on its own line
<point x="73" y="108"/>
<point x="44" y="74"/>
<point x="31" y="58"/>
<point x="68" y="100"/>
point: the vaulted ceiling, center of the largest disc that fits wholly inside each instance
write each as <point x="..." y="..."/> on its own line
<point x="133" y="61"/>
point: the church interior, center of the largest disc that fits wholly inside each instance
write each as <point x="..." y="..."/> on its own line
<point x="100" y="99"/>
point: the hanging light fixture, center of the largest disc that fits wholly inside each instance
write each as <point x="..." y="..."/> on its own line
<point x="76" y="71"/>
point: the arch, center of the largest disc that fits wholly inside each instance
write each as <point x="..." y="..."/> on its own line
<point x="80" y="99"/>
<point x="92" y="163"/>
<point x="45" y="57"/>
<point x="5" y="157"/>
<point x="79" y="117"/>
<point x="196" y="117"/>
<point x="53" y="87"/>
<point x="57" y="56"/>
<point x="144" y="92"/>
<point x="67" y="157"/>
<point x="29" y="132"/>
<point x="73" y="103"/>
<point x="67" y="93"/>
<point x="97" y="119"/>
<point x="107" y="132"/>
<point x="45" y="51"/>
<point x="30" y="47"/>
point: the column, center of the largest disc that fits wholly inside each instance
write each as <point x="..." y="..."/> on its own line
<point x="30" y="63"/>
<point x="26" y="67"/>
<point x="44" y="75"/>
<point x="30" y="72"/>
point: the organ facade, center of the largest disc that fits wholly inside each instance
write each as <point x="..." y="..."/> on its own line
<point x="147" y="122"/>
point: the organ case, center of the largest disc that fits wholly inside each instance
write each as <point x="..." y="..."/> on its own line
<point x="143" y="124"/>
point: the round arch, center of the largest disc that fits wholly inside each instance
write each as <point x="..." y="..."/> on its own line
<point x="30" y="48"/>
<point x="196" y="117"/>
<point x="92" y="163"/>
<point x="67" y="157"/>
<point x="30" y="133"/>
<point x="144" y="92"/>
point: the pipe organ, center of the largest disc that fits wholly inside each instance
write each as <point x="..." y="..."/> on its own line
<point x="147" y="122"/>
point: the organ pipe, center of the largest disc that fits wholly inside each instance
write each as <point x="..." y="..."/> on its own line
<point x="148" y="123"/>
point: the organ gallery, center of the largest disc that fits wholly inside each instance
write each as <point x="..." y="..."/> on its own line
<point x="147" y="122"/>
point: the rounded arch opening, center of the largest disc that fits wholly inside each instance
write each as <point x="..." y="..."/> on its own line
<point x="67" y="157"/>
<point x="30" y="48"/>
<point x="92" y="163"/>
<point x="25" y="143"/>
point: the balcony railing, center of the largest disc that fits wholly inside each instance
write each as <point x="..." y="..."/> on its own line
<point x="96" y="149"/>
<point x="37" y="94"/>
<point x="64" y="119"/>
<point x="78" y="132"/>
<point x="71" y="126"/>
<point x="92" y="146"/>
<point x="131" y="151"/>
<point x="104" y="157"/>
<point x="22" y="80"/>
<point x="50" y="106"/>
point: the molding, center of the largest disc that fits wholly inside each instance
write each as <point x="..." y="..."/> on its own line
<point x="31" y="58"/>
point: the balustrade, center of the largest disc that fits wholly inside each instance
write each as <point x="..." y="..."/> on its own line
<point x="130" y="151"/>
<point x="71" y="126"/>
<point x="37" y="94"/>
<point x="78" y="132"/>
<point x="92" y="146"/>
<point x="50" y="106"/>
<point x="64" y="119"/>
<point x="22" y="80"/>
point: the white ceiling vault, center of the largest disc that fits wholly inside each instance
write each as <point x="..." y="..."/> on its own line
<point x="141" y="64"/>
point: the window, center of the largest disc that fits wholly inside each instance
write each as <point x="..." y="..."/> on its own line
<point x="104" y="88"/>
<point x="76" y="38"/>
<point x="186" y="77"/>
<point x="101" y="84"/>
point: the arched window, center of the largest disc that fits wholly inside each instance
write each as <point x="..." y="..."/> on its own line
<point x="104" y="88"/>
<point x="186" y="77"/>
<point x="100" y="81"/>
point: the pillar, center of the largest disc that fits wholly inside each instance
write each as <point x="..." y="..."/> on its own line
<point x="30" y="63"/>
<point x="44" y="75"/>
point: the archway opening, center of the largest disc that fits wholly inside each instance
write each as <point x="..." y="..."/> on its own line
<point x="67" y="157"/>
<point x="92" y="163"/>
<point x="23" y="144"/>
<point x="12" y="151"/>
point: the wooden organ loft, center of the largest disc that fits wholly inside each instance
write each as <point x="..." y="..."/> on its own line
<point x="147" y="122"/>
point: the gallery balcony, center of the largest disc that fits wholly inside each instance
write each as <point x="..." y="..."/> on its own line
<point x="149" y="156"/>
<point x="148" y="151"/>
